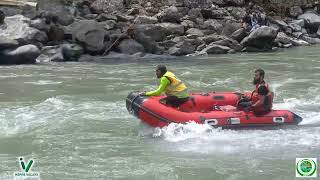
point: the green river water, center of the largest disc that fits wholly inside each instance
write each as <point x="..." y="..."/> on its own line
<point x="70" y="118"/>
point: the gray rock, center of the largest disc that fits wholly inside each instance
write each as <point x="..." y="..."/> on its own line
<point x="304" y="31"/>
<point x="130" y="46"/>
<point x="194" y="13"/>
<point x="262" y="37"/>
<point x="57" y="8"/>
<point x="39" y="24"/>
<point x="318" y="32"/>
<point x="109" y="6"/>
<point x="238" y="12"/>
<point x="90" y="34"/>
<point x="105" y="17"/>
<point x="109" y="24"/>
<point x="170" y="14"/>
<point x="283" y="25"/>
<point x="91" y="16"/>
<point x="10" y="11"/>
<point x="299" y="42"/>
<point x="6" y="43"/>
<point x="18" y="28"/>
<point x="299" y="22"/>
<point x="148" y="42"/>
<point x="233" y="44"/>
<point x="310" y="39"/>
<point x="182" y="48"/>
<point x="282" y="38"/>
<point x="239" y="34"/>
<point x="22" y="55"/>
<point x="214" y="25"/>
<point x="146" y="20"/>
<point x="295" y="27"/>
<point x="311" y="19"/>
<point x="201" y="47"/>
<point x="71" y="52"/>
<point x="188" y="24"/>
<point x="295" y="11"/>
<point x="124" y="18"/>
<point x="155" y="32"/>
<point x="32" y="36"/>
<point x="230" y="27"/>
<point x="212" y="38"/>
<point x="275" y="27"/>
<point x="50" y="53"/>
<point x="172" y="28"/>
<point x="215" y="49"/>
<point x="214" y="13"/>
<point x="297" y="34"/>
<point x="195" y="31"/>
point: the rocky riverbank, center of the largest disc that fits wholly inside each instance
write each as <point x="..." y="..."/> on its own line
<point x="64" y="30"/>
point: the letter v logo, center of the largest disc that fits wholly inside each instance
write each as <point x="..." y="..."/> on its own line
<point x="24" y="167"/>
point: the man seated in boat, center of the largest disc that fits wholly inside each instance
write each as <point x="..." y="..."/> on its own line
<point x="261" y="99"/>
<point x="174" y="88"/>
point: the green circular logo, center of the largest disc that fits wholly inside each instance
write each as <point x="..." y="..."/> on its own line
<point x="306" y="167"/>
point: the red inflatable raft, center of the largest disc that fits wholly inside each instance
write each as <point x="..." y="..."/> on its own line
<point x="215" y="109"/>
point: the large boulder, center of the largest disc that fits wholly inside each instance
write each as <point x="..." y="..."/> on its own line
<point x="107" y="6"/>
<point x="282" y="38"/>
<point x="22" y="55"/>
<point x="312" y="20"/>
<point x="283" y="25"/>
<point x="18" y="28"/>
<point x="261" y="37"/>
<point x="71" y="52"/>
<point x="148" y="42"/>
<point x="90" y="34"/>
<point x="212" y="38"/>
<point x="6" y="43"/>
<point x="299" y="42"/>
<point x="146" y="20"/>
<point x="170" y="14"/>
<point x="194" y="32"/>
<point x="295" y="27"/>
<point x="57" y="8"/>
<point x="182" y="48"/>
<point x="310" y="39"/>
<point x="155" y="32"/>
<point x="39" y="24"/>
<point x="295" y="11"/>
<point x="172" y="28"/>
<point x="238" y="12"/>
<point x="50" y="53"/>
<point x="215" y="49"/>
<point x="231" y="43"/>
<point x="230" y="27"/>
<point x="213" y="24"/>
<point x="214" y="13"/>
<point x="130" y="46"/>
<point x="239" y="34"/>
<point x="194" y="13"/>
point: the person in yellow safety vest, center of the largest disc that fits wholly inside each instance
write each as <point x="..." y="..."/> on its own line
<point x="174" y="88"/>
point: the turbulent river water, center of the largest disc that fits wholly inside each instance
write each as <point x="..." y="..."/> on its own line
<point x="70" y="118"/>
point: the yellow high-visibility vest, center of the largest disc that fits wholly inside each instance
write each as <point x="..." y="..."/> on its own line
<point x="177" y="87"/>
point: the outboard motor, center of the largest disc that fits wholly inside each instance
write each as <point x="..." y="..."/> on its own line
<point x="134" y="103"/>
